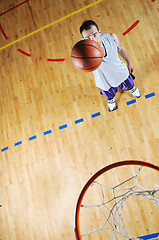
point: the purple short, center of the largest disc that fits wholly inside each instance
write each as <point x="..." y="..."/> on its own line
<point x="126" y="85"/>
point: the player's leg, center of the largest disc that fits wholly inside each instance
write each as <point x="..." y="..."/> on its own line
<point x="110" y="95"/>
<point x="128" y="84"/>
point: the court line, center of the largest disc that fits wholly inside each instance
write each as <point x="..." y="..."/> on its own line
<point x="47" y="132"/>
<point x="150" y="236"/>
<point x="77" y="121"/>
<point x="2" y="30"/>
<point x="63" y="126"/>
<point x="150" y="95"/>
<point x="32" y="138"/>
<point x="18" y="143"/>
<point x="96" y="114"/>
<point x="4" y="149"/>
<point x="51" y="24"/>
<point x="23" y="52"/>
<point x="131" y="102"/>
<point x="13" y="7"/>
<point x="56" y="60"/>
<point x="130" y="28"/>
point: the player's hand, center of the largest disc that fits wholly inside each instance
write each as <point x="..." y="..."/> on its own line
<point x="130" y="67"/>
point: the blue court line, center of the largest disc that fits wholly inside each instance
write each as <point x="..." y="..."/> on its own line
<point x="154" y="235"/>
<point x="131" y="102"/>
<point x="47" y="132"/>
<point x="18" y="143"/>
<point x="150" y="95"/>
<point x="96" y="114"/>
<point x="63" y="126"/>
<point x="4" y="149"/>
<point x="33" y="137"/>
<point x="79" y="120"/>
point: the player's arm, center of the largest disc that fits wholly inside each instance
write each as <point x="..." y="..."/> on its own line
<point x="122" y="52"/>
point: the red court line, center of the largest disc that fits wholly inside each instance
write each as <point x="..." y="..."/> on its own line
<point x="129" y="29"/>
<point x="55" y="60"/>
<point x="23" y="52"/>
<point x="3" y="32"/>
<point x="14" y="7"/>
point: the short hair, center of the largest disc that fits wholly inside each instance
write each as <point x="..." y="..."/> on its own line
<point x="87" y="25"/>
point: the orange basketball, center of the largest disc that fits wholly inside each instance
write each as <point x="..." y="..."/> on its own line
<point x="86" y="55"/>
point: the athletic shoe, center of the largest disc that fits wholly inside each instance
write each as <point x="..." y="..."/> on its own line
<point x="135" y="92"/>
<point x="111" y="104"/>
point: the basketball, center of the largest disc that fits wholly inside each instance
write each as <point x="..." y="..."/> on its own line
<point x="86" y="55"/>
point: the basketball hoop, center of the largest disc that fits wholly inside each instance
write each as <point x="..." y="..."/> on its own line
<point x="112" y="196"/>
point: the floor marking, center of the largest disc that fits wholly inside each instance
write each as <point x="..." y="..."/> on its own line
<point x="47" y="132"/>
<point x="63" y="126"/>
<point x="150" y="236"/>
<point x="13" y="7"/>
<point x="18" y="143"/>
<point x="55" y="60"/>
<point x="3" y="32"/>
<point x="79" y="121"/>
<point x="96" y="115"/>
<point x="51" y="24"/>
<point x="130" y="28"/>
<point x="150" y="95"/>
<point x="32" y="138"/>
<point x="131" y="102"/>
<point x="23" y="52"/>
<point x="4" y="149"/>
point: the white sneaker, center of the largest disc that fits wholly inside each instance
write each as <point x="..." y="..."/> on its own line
<point x="111" y="104"/>
<point x="135" y="92"/>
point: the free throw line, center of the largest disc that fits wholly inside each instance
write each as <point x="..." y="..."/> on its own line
<point x="51" y="24"/>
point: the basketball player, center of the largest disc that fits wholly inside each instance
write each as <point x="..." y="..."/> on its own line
<point x="112" y="73"/>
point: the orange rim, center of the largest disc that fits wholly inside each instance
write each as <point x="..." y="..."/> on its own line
<point x="97" y="174"/>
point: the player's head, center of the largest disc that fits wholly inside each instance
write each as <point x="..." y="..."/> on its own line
<point x="89" y="30"/>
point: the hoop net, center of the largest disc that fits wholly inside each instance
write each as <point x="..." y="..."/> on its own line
<point x="114" y="203"/>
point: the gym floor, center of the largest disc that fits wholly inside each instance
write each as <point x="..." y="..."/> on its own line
<point x="56" y="130"/>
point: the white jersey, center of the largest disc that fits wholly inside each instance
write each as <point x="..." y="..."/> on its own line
<point x="112" y="71"/>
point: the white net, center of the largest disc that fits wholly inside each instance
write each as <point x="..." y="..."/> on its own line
<point x="111" y="211"/>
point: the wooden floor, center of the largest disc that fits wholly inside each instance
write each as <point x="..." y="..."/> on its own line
<point x="41" y="178"/>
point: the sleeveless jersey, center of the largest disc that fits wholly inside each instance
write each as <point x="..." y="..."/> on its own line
<point x="112" y="71"/>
